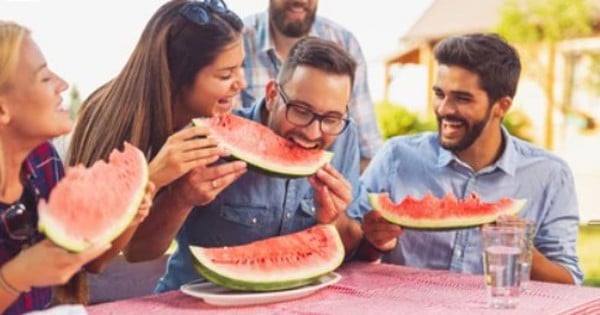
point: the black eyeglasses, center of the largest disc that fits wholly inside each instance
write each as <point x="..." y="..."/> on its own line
<point x="197" y="11"/>
<point x="301" y="116"/>
<point x="17" y="222"/>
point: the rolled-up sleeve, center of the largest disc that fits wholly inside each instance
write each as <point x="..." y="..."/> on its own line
<point x="557" y="235"/>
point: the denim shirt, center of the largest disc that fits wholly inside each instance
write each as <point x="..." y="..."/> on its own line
<point x="415" y="165"/>
<point x="255" y="207"/>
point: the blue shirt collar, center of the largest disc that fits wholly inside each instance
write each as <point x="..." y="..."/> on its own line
<point x="252" y="112"/>
<point x="506" y="162"/>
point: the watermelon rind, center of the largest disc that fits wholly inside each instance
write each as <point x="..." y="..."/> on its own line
<point x="277" y="280"/>
<point x="445" y="223"/>
<point x="271" y="168"/>
<point x="58" y="232"/>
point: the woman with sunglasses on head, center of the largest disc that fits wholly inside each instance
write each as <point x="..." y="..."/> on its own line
<point x="187" y="64"/>
<point x="30" y="116"/>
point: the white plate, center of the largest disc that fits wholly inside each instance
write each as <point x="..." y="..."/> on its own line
<point x="216" y="295"/>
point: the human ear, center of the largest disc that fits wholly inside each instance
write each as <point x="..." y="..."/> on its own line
<point x="4" y="111"/>
<point x="503" y="105"/>
<point x="270" y="95"/>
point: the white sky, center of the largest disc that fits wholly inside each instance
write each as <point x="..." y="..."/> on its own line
<point x="87" y="42"/>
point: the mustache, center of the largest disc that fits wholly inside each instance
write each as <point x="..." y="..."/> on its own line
<point x="297" y="4"/>
<point x="452" y="118"/>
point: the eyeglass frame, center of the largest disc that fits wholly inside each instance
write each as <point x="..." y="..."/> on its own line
<point x="196" y="10"/>
<point x="291" y="103"/>
<point x="21" y="210"/>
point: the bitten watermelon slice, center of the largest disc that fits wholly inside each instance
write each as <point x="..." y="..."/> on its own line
<point x="276" y="263"/>
<point x="260" y="147"/>
<point x="447" y="212"/>
<point x="96" y="204"/>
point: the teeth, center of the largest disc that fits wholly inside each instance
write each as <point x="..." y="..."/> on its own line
<point x="304" y="144"/>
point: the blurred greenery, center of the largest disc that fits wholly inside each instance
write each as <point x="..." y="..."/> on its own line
<point x="589" y="255"/>
<point x="394" y="119"/>
<point x="534" y="21"/>
<point x="75" y="101"/>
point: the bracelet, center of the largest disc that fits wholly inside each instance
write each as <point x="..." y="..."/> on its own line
<point x="7" y="286"/>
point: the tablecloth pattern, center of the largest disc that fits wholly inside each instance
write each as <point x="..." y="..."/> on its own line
<point x="373" y="288"/>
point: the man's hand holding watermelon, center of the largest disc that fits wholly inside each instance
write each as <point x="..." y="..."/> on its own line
<point x="333" y="194"/>
<point x="380" y="236"/>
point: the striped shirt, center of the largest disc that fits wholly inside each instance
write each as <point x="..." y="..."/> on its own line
<point x="262" y="64"/>
<point x="42" y="168"/>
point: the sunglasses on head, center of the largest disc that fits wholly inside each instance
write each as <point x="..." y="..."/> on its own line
<point x="17" y="222"/>
<point x="198" y="11"/>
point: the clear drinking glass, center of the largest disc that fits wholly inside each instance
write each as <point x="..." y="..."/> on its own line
<point x="501" y="264"/>
<point x="527" y="244"/>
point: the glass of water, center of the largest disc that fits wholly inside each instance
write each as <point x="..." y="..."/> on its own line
<point x="526" y="246"/>
<point x="501" y="264"/>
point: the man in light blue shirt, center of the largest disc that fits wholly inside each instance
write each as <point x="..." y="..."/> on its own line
<point x="267" y="39"/>
<point x="307" y="105"/>
<point x="476" y="81"/>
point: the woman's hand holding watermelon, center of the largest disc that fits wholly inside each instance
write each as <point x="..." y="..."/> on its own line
<point x="144" y="208"/>
<point x="202" y="184"/>
<point x="333" y="193"/>
<point x="46" y="264"/>
<point x="379" y="232"/>
<point x="183" y="151"/>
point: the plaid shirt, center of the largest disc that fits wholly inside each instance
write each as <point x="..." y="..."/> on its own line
<point x="43" y="168"/>
<point x="262" y="64"/>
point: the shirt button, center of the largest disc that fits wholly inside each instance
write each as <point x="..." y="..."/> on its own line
<point x="312" y="209"/>
<point x="457" y="253"/>
<point x="253" y="220"/>
<point x="288" y="215"/>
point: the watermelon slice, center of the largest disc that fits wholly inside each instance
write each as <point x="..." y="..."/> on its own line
<point x="276" y="263"/>
<point x="96" y="204"/>
<point x="262" y="148"/>
<point x="447" y="212"/>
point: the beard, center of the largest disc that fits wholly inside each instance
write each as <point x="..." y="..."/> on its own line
<point x="296" y="28"/>
<point x="472" y="131"/>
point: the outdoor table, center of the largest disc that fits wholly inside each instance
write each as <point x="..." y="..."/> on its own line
<point x="374" y="288"/>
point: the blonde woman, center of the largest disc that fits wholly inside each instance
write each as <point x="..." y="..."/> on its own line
<point x="30" y="116"/>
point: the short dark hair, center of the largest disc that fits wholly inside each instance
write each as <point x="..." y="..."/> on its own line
<point x="489" y="56"/>
<point x="320" y="54"/>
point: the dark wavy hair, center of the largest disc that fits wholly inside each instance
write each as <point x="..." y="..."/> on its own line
<point x="320" y="54"/>
<point x="489" y="56"/>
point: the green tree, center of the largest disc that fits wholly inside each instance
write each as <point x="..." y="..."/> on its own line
<point x="75" y="101"/>
<point x="538" y="25"/>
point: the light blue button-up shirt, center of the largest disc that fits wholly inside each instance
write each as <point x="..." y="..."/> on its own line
<point x="255" y="207"/>
<point x="415" y="165"/>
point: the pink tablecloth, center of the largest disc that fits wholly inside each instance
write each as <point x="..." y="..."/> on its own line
<point x="382" y="289"/>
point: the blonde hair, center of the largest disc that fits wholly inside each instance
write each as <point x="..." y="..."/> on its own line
<point x="11" y="37"/>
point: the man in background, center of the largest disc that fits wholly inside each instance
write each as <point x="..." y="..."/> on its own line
<point x="268" y="37"/>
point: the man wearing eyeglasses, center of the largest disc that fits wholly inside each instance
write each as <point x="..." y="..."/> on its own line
<point x="268" y="37"/>
<point x="308" y="105"/>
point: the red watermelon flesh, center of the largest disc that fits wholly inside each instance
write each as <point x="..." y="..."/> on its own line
<point x="276" y="263"/>
<point x="96" y="204"/>
<point x="431" y="212"/>
<point x="259" y="146"/>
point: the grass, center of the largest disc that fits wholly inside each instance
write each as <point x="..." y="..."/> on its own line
<point x="588" y="246"/>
